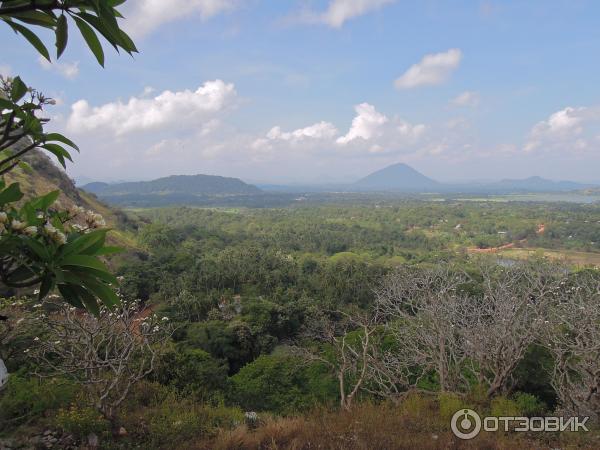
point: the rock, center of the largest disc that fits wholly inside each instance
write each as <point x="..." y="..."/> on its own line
<point x="92" y="440"/>
<point x="122" y="431"/>
<point x="251" y="419"/>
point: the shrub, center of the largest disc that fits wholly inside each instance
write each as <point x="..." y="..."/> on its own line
<point x="191" y="370"/>
<point x="81" y="421"/>
<point x="449" y="404"/>
<point x="416" y="405"/>
<point x="529" y="405"/>
<point x="24" y="399"/>
<point x="177" y="421"/>
<point x="502" y="406"/>
<point x="281" y="384"/>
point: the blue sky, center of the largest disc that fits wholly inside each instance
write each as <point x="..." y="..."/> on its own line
<point x="325" y="91"/>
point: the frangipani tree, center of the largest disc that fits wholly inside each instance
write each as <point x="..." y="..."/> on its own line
<point x="39" y="243"/>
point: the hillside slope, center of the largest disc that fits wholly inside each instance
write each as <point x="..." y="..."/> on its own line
<point x="47" y="177"/>
<point x="176" y="184"/>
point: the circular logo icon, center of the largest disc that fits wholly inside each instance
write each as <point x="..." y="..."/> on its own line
<point x="465" y="424"/>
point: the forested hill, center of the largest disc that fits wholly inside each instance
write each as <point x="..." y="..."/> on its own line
<point x="48" y="177"/>
<point x="177" y="184"/>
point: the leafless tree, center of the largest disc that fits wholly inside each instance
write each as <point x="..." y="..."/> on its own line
<point x="500" y="324"/>
<point x="106" y="354"/>
<point x="344" y="342"/>
<point x="573" y="337"/>
<point x="419" y="307"/>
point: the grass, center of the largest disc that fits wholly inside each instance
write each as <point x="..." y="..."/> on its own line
<point x="571" y="256"/>
<point x="417" y="423"/>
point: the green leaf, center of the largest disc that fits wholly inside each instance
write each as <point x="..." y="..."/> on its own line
<point x="39" y="18"/>
<point x="129" y="46"/>
<point x="6" y="104"/>
<point x="39" y="249"/>
<point x="99" y="274"/>
<point x="88" y="299"/>
<point x="46" y="200"/>
<point x="18" y="89"/>
<point x="45" y="287"/>
<point x="11" y="194"/>
<point x="70" y="295"/>
<point x="59" y="152"/>
<point x="102" y="291"/>
<point x="84" y="261"/>
<point x="91" y="39"/>
<point x="31" y="37"/>
<point x="108" y="250"/>
<point x="60" y="138"/>
<point x="62" y="35"/>
<point x="81" y="243"/>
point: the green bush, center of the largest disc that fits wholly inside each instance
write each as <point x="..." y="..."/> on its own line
<point x="193" y="371"/>
<point x="282" y="384"/>
<point x="529" y="405"/>
<point x="81" y="421"/>
<point x="24" y="399"/>
<point x="449" y="404"/>
<point x="177" y="421"/>
<point x="502" y="406"/>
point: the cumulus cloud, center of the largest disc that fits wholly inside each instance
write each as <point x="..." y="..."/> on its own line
<point x="433" y="69"/>
<point x="339" y="11"/>
<point x="564" y="127"/>
<point x="144" y="16"/>
<point x="370" y="132"/>
<point x="365" y="125"/>
<point x="169" y="110"/>
<point x="67" y="70"/>
<point x="467" y="98"/>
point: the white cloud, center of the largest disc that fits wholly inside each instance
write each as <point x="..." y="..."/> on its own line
<point x="561" y="127"/>
<point x="168" y="110"/>
<point x="144" y="16"/>
<point x="433" y="69"/>
<point x="467" y="98"/>
<point x="319" y="130"/>
<point x="371" y="132"/>
<point x="365" y="125"/>
<point x="572" y="129"/>
<point x="67" y="70"/>
<point x="339" y="11"/>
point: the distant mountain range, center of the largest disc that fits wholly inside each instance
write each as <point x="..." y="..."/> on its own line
<point x="210" y="190"/>
<point x="401" y="178"/>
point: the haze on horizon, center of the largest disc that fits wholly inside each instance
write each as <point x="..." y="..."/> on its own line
<point x="301" y="91"/>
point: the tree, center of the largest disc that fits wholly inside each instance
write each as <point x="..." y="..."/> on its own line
<point x="573" y="337"/>
<point x="105" y="354"/>
<point x="501" y="325"/>
<point x="420" y="308"/>
<point x="345" y="342"/>
<point x="36" y="247"/>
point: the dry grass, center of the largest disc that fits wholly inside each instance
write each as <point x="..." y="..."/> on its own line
<point x="414" y="425"/>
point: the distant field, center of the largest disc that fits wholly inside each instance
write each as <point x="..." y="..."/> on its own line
<point x="569" y="197"/>
<point x="574" y="257"/>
